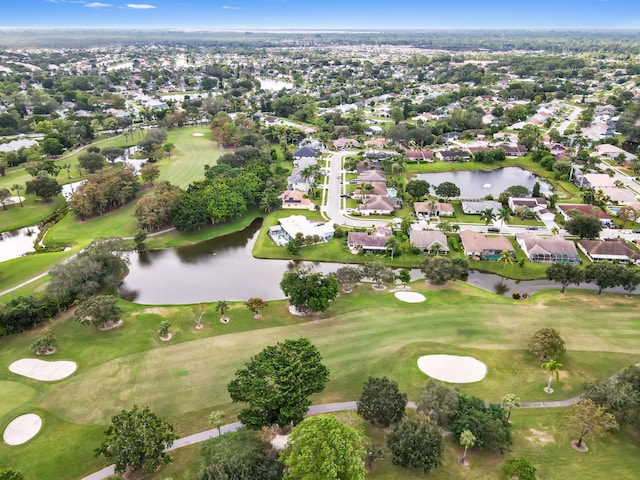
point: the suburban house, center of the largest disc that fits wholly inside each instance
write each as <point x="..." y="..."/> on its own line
<point x="538" y="205"/>
<point x="419" y="155"/>
<point x="613" y="250"/>
<point x="477" y="245"/>
<point x="429" y="241"/>
<point x="371" y="242"/>
<point x="604" y="217"/>
<point x="290" y="226"/>
<point x="377" y="205"/>
<point x="454" y="155"/>
<point x="376" y="143"/>
<point x="295" y="199"/>
<point x="475" y="208"/>
<point x="307" y="154"/>
<point x="437" y="209"/>
<point x="372" y="176"/>
<point x="296" y="181"/>
<point x="596" y="181"/>
<point x="514" y="151"/>
<point x="379" y="188"/>
<point x="547" y="250"/>
<point x="343" y="143"/>
<point x="612" y="152"/>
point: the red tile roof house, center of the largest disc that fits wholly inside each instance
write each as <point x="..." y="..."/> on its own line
<point x="547" y="250"/>
<point x="372" y="242"/>
<point x="376" y="205"/>
<point x="477" y="245"/>
<point x="377" y="142"/>
<point x="613" y="250"/>
<point x="437" y="209"/>
<point x="604" y="217"/>
<point x="429" y="241"/>
<point x="295" y="199"/>
<point x="419" y="155"/>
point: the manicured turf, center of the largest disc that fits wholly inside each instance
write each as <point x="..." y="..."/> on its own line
<point x="13" y="395"/>
<point x="18" y="270"/>
<point x="190" y="156"/>
<point x="364" y="333"/>
<point x="34" y="210"/>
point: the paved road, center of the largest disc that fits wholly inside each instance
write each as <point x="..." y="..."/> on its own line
<point x="313" y="410"/>
<point x="571" y="118"/>
<point x="333" y="207"/>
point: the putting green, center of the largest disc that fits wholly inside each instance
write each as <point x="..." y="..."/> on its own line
<point x="12" y="395"/>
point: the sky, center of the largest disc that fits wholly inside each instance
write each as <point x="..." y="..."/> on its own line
<point x="322" y="14"/>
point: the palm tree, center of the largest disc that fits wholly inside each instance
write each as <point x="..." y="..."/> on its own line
<point x="365" y="189"/>
<point x="487" y="215"/>
<point x="505" y="257"/>
<point x="222" y="307"/>
<point x="553" y="368"/>
<point x="67" y="167"/>
<point x="555" y="231"/>
<point x="198" y="312"/>
<point x="504" y="215"/>
<point x="392" y="244"/>
<point x="216" y="420"/>
<point x="509" y="402"/>
<point x="467" y="439"/>
<point x="18" y="188"/>
<point x="445" y="227"/>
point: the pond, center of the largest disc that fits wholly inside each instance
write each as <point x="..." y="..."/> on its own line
<point x="479" y="184"/>
<point x="16" y="243"/>
<point x="222" y="268"/>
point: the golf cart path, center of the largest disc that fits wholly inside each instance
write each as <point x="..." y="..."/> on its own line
<point x="313" y="410"/>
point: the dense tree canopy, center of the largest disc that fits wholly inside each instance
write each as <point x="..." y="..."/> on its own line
<point x="438" y="401"/>
<point x="323" y="448"/>
<point x="153" y="210"/>
<point x="564" y="274"/>
<point x="238" y="456"/>
<point x="439" y="270"/>
<point x="447" y="190"/>
<point x="44" y="186"/>
<point x="136" y="440"/>
<point x="276" y="383"/>
<point x="620" y="395"/>
<point x="416" y="443"/>
<point x="488" y="423"/>
<point x="308" y="290"/>
<point x="381" y="402"/>
<point x="584" y="226"/>
<point x="98" y="310"/>
<point x="546" y="344"/>
<point x="22" y="313"/>
<point x="104" y="191"/>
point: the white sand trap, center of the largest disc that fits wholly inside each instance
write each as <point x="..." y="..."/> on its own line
<point x="410" y="297"/>
<point x="43" y="370"/>
<point x="198" y="134"/>
<point x="22" y="429"/>
<point x="452" y="368"/>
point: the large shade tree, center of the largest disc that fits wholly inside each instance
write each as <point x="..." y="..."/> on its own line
<point x="323" y="448"/>
<point x="416" y="443"/>
<point x="586" y="417"/>
<point x="308" y="290"/>
<point x="547" y="343"/>
<point x="136" y="441"/>
<point x="381" y="401"/>
<point x="564" y="274"/>
<point x="276" y="383"/>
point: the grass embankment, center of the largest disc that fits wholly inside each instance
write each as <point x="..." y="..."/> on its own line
<point x="18" y="270"/>
<point x="364" y="333"/>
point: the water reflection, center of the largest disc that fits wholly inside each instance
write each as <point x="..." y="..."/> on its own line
<point x="15" y="243"/>
<point x="479" y="184"/>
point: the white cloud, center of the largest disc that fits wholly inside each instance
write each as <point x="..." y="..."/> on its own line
<point x="98" y="5"/>
<point x="140" y="6"/>
<point x="227" y="7"/>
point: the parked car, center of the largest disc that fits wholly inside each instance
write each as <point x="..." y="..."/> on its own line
<point x="532" y="227"/>
<point x="493" y="230"/>
<point x="635" y="231"/>
<point x="351" y="210"/>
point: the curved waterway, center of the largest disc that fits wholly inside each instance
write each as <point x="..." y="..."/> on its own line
<point x="223" y="268"/>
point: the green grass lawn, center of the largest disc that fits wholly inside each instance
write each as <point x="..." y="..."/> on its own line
<point x="364" y="333"/>
<point x="190" y="156"/>
<point x="15" y="271"/>
<point x="34" y="211"/>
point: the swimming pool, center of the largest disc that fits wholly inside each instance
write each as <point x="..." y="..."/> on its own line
<point x="392" y="192"/>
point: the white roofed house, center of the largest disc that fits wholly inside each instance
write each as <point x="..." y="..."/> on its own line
<point x="476" y="208"/>
<point x="290" y="226"/>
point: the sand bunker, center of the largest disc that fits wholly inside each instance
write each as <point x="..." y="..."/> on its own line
<point x="198" y="134"/>
<point x="43" y="370"/>
<point x="452" y="368"/>
<point x="410" y="297"/>
<point x="22" y="429"/>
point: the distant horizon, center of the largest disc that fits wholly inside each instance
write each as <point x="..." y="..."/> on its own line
<point x="331" y="15"/>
